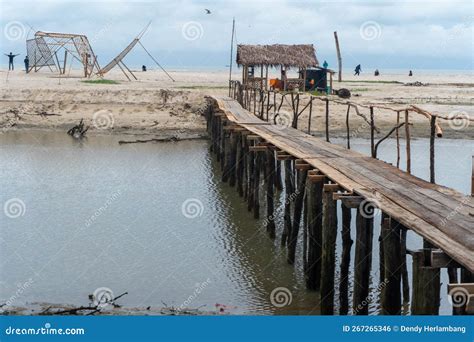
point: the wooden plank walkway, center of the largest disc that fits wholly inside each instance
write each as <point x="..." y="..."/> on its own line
<point x="441" y="215"/>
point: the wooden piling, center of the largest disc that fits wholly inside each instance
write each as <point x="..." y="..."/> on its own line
<point x="372" y="132"/>
<point x="381" y="249"/>
<point x="328" y="253"/>
<point x="226" y="158"/>
<point x="348" y="135"/>
<point x="278" y="181"/>
<point x="251" y="174"/>
<point x="391" y="295"/>
<point x="314" y="194"/>
<point x="426" y="287"/>
<point x="345" y="260"/>
<point x="289" y="188"/>
<point x="362" y="262"/>
<point x="432" y="147"/>
<point x="232" y="169"/>
<point x="327" y="120"/>
<point x="270" y="183"/>
<point x="240" y="159"/>
<point x="408" y="142"/>
<point x="295" y="226"/>
<point x="256" y="185"/>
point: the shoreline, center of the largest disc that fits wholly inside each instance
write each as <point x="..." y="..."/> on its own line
<point x="155" y="106"/>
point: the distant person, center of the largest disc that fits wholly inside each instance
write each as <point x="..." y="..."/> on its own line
<point x="325" y="65"/>
<point x="143" y="68"/>
<point x="10" y="60"/>
<point x="376" y="73"/>
<point x="27" y="63"/>
<point x="357" y="70"/>
<point x="410" y="73"/>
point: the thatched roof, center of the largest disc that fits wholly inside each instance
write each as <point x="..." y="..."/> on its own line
<point x="302" y="55"/>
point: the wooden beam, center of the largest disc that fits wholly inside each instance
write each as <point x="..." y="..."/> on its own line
<point x="440" y="259"/>
<point x="316" y="178"/>
<point x="257" y="148"/>
<point x="303" y="167"/>
<point x="331" y="187"/>
<point x="253" y="137"/>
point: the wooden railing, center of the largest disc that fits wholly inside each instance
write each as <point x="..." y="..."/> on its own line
<point x="266" y="105"/>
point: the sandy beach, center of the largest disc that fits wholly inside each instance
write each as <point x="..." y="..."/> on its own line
<point x="155" y="105"/>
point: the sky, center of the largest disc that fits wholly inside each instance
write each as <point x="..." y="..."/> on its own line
<point x="376" y="34"/>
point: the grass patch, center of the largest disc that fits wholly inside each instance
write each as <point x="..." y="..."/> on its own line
<point x="100" y="81"/>
<point x="317" y="93"/>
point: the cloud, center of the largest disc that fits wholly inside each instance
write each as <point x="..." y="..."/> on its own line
<point x="421" y="32"/>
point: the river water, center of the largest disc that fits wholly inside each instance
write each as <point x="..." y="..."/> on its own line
<point x="156" y="221"/>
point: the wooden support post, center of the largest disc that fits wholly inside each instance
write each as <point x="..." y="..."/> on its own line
<point x="289" y="188"/>
<point x="293" y="236"/>
<point x="426" y="287"/>
<point x="227" y="159"/>
<point x="232" y="159"/>
<point x="339" y="58"/>
<point x="372" y="132"/>
<point x="383" y="222"/>
<point x="327" y="120"/>
<point x="391" y="295"/>
<point x="256" y="185"/>
<point x="348" y="134"/>
<point x="245" y="161"/>
<point x="362" y="261"/>
<point x="328" y="253"/>
<point x="408" y="142"/>
<point x="403" y="255"/>
<point x="397" y="134"/>
<point x="240" y="164"/>
<point x="250" y="183"/>
<point x="472" y="177"/>
<point x="345" y="260"/>
<point x="278" y="180"/>
<point x="314" y="232"/>
<point x="222" y="142"/>
<point x="270" y="182"/>
<point x="432" y="147"/>
<point x="310" y="114"/>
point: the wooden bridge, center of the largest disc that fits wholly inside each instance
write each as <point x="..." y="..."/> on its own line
<point x="317" y="175"/>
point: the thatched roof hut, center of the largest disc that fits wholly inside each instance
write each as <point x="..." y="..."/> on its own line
<point x="301" y="56"/>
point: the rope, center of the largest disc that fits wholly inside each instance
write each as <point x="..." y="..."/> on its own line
<point x="149" y="54"/>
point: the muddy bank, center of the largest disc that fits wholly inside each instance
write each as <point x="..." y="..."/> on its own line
<point x="40" y="309"/>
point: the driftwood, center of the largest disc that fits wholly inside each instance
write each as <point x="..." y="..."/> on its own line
<point x="173" y="138"/>
<point x="85" y="310"/>
<point x="78" y="131"/>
